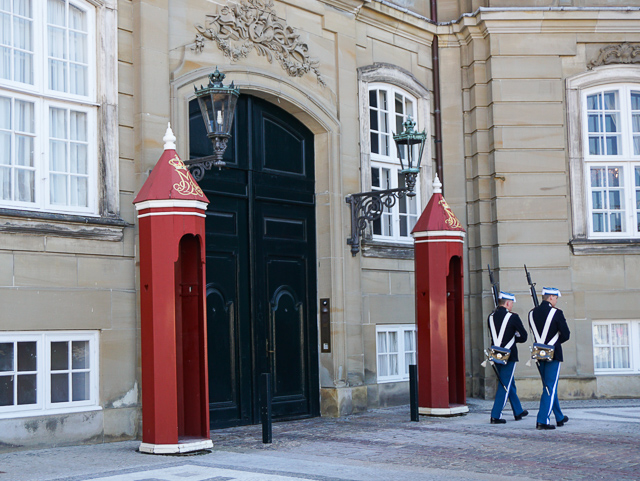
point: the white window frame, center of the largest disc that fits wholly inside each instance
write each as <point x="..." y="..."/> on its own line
<point x="43" y="97"/>
<point x="599" y="78"/>
<point x="43" y="405"/>
<point x="403" y="366"/>
<point x="634" y="346"/>
<point x="625" y="161"/>
<point x="390" y="222"/>
<point x="393" y="79"/>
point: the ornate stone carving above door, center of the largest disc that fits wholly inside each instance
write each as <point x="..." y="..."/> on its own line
<point x="250" y="25"/>
<point x="621" y="53"/>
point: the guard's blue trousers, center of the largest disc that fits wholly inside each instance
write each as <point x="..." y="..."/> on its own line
<point x="506" y="375"/>
<point x="549" y="372"/>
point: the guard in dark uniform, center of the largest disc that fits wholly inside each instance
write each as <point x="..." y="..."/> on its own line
<point x="506" y="331"/>
<point x="549" y="327"/>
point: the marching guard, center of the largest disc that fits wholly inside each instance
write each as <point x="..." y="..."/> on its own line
<point x="506" y="331"/>
<point x="549" y="327"/>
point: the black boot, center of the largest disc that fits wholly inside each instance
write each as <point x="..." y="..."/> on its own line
<point x="563" y="421"/>
<point x="498" y="421"/>
<point x="544" y="426"/>
<point x="521" y="415"/>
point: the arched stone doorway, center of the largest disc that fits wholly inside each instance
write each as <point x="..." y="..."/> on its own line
<point x="261" y="264"/>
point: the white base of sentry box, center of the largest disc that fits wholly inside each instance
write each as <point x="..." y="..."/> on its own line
<point x="180" y="448"/>
<point x="450" y="411"/>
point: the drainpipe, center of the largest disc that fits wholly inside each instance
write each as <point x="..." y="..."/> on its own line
<point x="436" y="95"/>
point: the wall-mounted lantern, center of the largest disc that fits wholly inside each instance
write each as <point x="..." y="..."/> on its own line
<point x="367" y="207"/>
<point x="217" y="105"/>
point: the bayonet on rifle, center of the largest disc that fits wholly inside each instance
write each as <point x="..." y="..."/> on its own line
<point x="532" y="287"/>
<point x="494" y="287"/>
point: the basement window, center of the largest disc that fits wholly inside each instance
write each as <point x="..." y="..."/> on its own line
<point x="46" y="373"/>
<point x="616" y="347"/>
<point x="396" y="351"/>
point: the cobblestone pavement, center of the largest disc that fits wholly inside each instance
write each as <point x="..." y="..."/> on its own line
<point x="601" y="441"/>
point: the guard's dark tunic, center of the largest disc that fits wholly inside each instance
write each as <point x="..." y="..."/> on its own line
<point x="514" y="328"/>
<point x="558" y="324"/>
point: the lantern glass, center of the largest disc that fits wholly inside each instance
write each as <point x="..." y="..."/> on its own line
<point x="217" y="109"/>
<point x="407" y="143"/>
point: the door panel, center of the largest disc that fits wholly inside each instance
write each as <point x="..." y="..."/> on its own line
<point x="283" y="263"/>
<point x="261" y="277"/>
<point x="228" y="328"/>
<point x="282" y="149"/>
<point x="286" y="337"/>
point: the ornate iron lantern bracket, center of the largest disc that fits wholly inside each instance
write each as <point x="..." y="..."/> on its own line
<point x="217" y="105"/>
<point x="367" y="207"/>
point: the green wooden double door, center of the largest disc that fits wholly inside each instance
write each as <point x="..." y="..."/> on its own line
<point x="261" y="265"/>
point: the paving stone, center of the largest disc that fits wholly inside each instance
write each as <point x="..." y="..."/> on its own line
<point x="601" y="441"/>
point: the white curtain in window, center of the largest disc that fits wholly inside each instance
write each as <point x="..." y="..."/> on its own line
<point x="5" y="183"/>
<point x="16" y="21"/>
<point x="56" y="37"/>
<point x="602" y="357"/>
<point x="78" y="42"/>
<point x="68" y="69"/>
<point x="635" y="121"/>
<point x="23" y="43"/>
<point x="393" y="356"/>
<point x="601" y="354"/>
<point x="5" y="39"/>
<point x="17" y="150"/>
<point x="621" y="358"/>
<point x="24" y="155"/>
<point x="58" y="155"/>
<point x="637" y="177"/>
<point x="46" y="137"/>
<point x="5" y="148"/>
<point x="409" y="350"/>
<point x="620" y="341"/>
<point x="78" y="159"/>
<point x="382" y="343"/>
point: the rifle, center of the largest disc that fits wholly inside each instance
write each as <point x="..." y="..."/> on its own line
<point x="534" y="296"/>
<point x="532" y="287"/>
<point x="494" y="287"/>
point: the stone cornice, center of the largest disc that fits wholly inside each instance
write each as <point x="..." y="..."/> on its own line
<point x="605" y="246"/>
<point x="350" y="6"/>
<point x="397" y="22"/>
<point x="61" y="225"/>
<point x="544" y="20"/>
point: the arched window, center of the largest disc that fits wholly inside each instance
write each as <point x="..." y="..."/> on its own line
<point x="389" y="107"/>
<point x="388" y="96"/>
<point x="611" y="143"/>
<point x="603" y="116"/>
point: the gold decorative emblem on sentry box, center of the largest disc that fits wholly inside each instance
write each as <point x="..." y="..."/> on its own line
<point x="187" y="185"/>
<point x="451" y="219"/>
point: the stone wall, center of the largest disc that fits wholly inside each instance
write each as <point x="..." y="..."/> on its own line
<point x="74" y="273"/>
<point x="520" y="199"/>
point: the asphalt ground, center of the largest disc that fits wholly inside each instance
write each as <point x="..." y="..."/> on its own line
<point x="601" y="441"/>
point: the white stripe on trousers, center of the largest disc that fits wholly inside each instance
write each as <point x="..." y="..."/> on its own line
<point x="506" y="397"/>
<point x="553" y="394"/>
